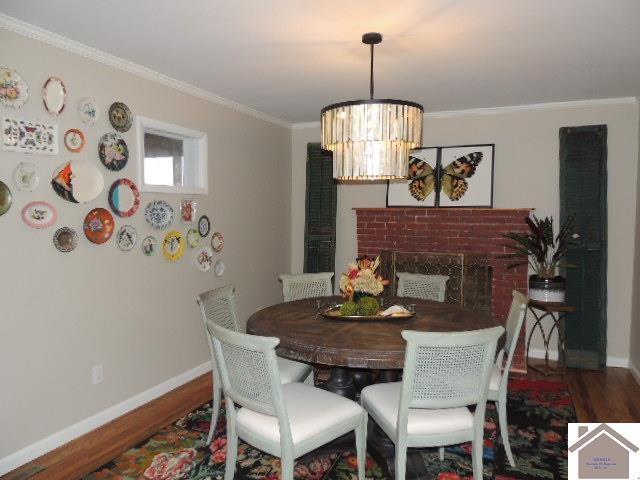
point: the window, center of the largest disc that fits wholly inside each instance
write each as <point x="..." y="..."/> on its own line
<point x="172" y="159"/>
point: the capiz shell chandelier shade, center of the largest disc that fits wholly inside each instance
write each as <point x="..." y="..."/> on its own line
<point x="371" y="139"/>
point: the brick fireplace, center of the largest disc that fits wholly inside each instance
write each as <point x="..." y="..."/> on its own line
<point x="469" y="231"/>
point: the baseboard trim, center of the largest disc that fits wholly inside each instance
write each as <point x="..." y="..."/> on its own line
<point x="74" y="431"/>
<point x="634" y="371"/>
<point x="620" y="362"/>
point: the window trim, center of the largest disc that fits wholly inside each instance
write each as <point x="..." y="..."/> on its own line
<point x="170" y="130"/>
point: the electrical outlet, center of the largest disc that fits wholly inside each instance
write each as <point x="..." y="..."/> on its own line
<point x="97" y="374"/>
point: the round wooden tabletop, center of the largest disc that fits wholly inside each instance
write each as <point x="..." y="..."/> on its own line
<point x="307" y="336"/>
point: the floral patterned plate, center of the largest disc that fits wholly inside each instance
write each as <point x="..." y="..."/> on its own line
<point x="77" y="181"/>
<point x="98" y="225"/>
<point x="26" y="177"/>
<point x="193" y="238"/>
<point x="218" y="268"/>
<point x="158" y="214"/>
<point x="74" y="140"/>
<point x="65" y="239"/>
<point x="173" y="246"/>
<point x="204" y="259"/>
<point x="149" y="245"/>
<point x="5" y="198"/>
<point x="39" y="214"/>
<point x="126" y="238"/>
<point x="113" y="151"/>
<point x="120" y="117"/>
<point x="13" y="89"/>
<point x="204" y="226"/>
<point x="88" y="111"/>
<point x="217" y="242"/>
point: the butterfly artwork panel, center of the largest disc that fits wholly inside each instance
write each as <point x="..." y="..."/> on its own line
<point x="422" y="165"/>
<point x="456" y="176"/>
<point x="467" y="176"/>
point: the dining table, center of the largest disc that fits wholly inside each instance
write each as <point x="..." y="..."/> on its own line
<point x="352" y="347"/>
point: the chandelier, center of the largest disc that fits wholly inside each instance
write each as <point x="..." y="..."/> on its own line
<point x="371" y="139"/>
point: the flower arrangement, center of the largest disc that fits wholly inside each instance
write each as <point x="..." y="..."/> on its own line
<point x="360" y="281"/>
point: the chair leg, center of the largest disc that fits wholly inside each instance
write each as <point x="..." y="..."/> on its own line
<point x="441" y="451"/>
<point x="504" y="430"/>
<point x="309" y="380"/>
<point x="217" y="395"/>
<point x="361" y="445"/>
<point x="286" y="467"/>
<point x="476" y="454"/>
<point x="401" y="461"/>
<point x="232" y="443"/>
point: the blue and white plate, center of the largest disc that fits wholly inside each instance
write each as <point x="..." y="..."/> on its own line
<point x="158" y="214"/>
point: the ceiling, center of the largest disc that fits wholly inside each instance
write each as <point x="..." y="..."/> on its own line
<point x="289" y="58"/>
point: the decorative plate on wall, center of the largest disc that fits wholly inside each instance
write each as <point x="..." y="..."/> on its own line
<point x="124" y="197"/>
<point x="26" y="177"/>
<point x="173" y="246"/>
<point x="88" y="111"/>
<point x="39" y="214"/>
<point x="120" y="117"/>
<point x="126" y="238"/>
<point x="65" y="239"/>
<point x="13" y="89"/>
<point x="149" y="245"/>
<point x="54" y="95"/>
<point x="113" y="151"/>
<point x="193" y="238"/>
<point x="204" y="226"/>
<point x="217" y="242"/>
<point x="74" y="140"/>
<point x="5" y="198"/>
<point x="98" y="225"/>
<point x="204" y="259"/>
<point x="23" y="136"/>
<point x="218" y="268"/>
<point x="188" y="210"/>
<point x="158" y="214"/>
<point x="77" y="181"/>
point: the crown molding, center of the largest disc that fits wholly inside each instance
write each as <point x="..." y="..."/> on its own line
<point x="50" y="38"/>
<point x="508" y="109"/>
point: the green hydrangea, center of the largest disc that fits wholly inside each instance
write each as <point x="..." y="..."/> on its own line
<point x="368" y="306"/>
<point x="348" y="309"/>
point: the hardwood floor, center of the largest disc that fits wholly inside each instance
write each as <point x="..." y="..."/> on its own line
<point x="599" y="396"/>
<point x="92" y="450"/>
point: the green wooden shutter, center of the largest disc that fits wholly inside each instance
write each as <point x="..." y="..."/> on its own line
<point x="583" y="194"/>
<point x="320" y="208"/>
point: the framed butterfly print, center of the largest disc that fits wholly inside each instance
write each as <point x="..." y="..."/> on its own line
<point x="460" y="176"/>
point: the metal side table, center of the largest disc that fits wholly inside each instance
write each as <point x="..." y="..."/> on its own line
<point x="557" y="312"/>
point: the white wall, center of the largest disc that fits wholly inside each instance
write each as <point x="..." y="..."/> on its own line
<point x="63" y="313"/>
<point x="634" y="354"/>
<point x="526" y="175"/>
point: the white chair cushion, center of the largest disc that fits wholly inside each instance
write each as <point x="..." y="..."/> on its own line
<point x="312" y="411"/>
<point x="382" y="400"/>
<point x="291" y="371"/>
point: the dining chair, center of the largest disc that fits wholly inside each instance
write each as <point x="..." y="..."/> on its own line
<point x="500" y="375"/>
<point x="218" y="307"/>
<point x="425" y="287"/>
<point x="306" y="285"/>
<point x="444" y="374"/>
<point x="286" y="421"/>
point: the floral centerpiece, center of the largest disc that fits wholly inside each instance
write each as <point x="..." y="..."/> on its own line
<point x="360" y="285"/>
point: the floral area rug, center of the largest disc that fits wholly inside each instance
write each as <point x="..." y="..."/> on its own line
<point x="538" y="415"/>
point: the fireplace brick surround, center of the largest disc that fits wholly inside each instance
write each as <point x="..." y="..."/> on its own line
<point x="453" y="230"/>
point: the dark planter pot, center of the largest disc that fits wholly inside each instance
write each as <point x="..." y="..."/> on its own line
<point x="547" y="289"/>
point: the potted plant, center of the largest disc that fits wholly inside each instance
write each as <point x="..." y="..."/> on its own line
<point x="361" y="285"/>
<point x="544" y="253"/>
